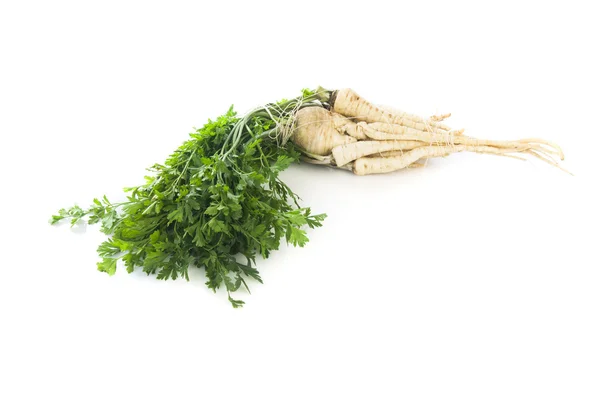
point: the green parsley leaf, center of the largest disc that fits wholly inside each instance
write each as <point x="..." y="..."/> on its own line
<point x="108" y="265"/>
<point x="217" y="197"/>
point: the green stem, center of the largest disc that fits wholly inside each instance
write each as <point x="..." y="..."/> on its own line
<point x="184" y="170"/>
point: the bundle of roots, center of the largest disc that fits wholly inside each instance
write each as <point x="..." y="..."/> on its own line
<point x="351" y="133"/>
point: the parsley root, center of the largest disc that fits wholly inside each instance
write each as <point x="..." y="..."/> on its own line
<point x="346" y="102"/>
<point x="218" y="201"/>
<point x="316" y="131"/>
<point x="346" y="153"/>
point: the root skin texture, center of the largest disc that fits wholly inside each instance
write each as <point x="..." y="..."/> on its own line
<point x="365" y="166"/>
<point x="346" y="153"/>
<point x="315" y="131"/>
<point x="389" y="129"/>
<point x="347" y="126"/>
<point x="369" y="139"/>
<point x="350" y="104"/>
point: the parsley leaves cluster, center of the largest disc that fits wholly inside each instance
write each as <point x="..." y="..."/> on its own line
<point x="216" y="203"/>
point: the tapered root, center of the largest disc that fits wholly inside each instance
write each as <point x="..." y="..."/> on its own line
<point x="386" y="131"/>
<point x="348" y="103"/>
<point x="364" y="166"/>
<point x="389" y="132"/>
<point x="346" y="153"/>
<point x="550" y="144"/>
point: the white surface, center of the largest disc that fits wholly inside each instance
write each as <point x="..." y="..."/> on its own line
<point x="474" y="277"/>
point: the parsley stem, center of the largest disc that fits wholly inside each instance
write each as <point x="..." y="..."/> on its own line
<point x="184" y="170"/>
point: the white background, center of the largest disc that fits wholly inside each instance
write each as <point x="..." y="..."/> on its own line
<point x="476" y="276"/>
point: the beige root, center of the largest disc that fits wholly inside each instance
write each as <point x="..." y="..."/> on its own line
<point x="414" y="165"/>
<point x="316" y="132"/>
<point x="350" y="104"/>
<point x="364" y="166"/>
<point x="394" y="131"/>
<point x="346" y="153"/>
<point x="427" y="121"/>
<point x="345" y="125"/>
<point x="383" y="141"/>
<point x="382" y="131"/>
<point x="389" y="154"/>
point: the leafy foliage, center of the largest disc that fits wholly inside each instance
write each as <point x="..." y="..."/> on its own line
<point x="217" y="199"/>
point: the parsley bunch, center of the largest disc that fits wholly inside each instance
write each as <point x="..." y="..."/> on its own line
<point x="215" y="203"/>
